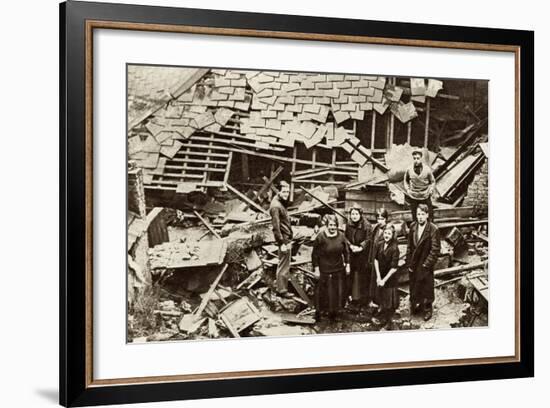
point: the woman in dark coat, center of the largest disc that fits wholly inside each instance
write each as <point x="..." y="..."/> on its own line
<point x="358" y="235"/>
<point x="386" y="260"/>
<point x="377" y="238"/>
<point x="330" y="259"/>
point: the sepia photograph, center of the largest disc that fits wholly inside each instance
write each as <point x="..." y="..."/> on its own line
<point x="276" y="203"/>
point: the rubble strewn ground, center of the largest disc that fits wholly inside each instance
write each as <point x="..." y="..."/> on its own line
<point x="206" y="149"/>
<point x="250" y="276"/>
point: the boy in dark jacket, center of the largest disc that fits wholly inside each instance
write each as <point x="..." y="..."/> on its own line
<point x="422" y="253"/>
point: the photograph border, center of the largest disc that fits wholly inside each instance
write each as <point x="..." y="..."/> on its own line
<point x="77" y="23"/>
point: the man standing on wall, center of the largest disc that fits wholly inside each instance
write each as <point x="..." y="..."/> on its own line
<point x="283" y="235"/>
<point x="419" y="184"/>
<point x="422" y="252"/>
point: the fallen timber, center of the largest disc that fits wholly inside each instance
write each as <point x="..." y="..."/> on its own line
<point x="441" y="273"/>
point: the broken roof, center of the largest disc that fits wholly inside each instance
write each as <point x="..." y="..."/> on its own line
<point x="173" y="109"/>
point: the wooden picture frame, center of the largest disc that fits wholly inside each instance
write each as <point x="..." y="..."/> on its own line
<point x="78" y="20"/>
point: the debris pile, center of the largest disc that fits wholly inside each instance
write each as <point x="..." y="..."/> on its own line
<point x="212" y="145"/>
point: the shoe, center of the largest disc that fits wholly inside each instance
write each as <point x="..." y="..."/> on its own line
<point x="377" y="321"/>
<point x="427" y="315"/>
<point x="415" y="309"/>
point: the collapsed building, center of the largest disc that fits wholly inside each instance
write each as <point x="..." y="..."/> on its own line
<point x="207" y="146"/>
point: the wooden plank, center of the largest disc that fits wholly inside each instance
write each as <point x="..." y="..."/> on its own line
<point x="471" y="131"/>
<point x="191" y="153"/>
<point x="334" y="210"/>
<point x="300" y="290"/>
<point x="237" y="143"/>
<point x="207" y="225"/>
<point x="480" y="286"/>
<point x="379" y="164"/>
<point x="318" y="182"/>
<point x="192" y="168"/>
<point x="206" y="298"/>
<point x="458" y="212"/>
<point x="462" y="224"/>
<point x="293" y="169"/>
<point x="177" y="179"/>
<point x="228" y="168"/>
<point x="325" y="172"/>
<point x="230" y="327"/>
<point x="200" y="161"/>
<point x="373" y="130"/>
<point x="427" y="125"/>
<point x="440" y="273"/>
<point x="332" y="167"/>
<point x="267" y="185"/>
<point x="245" y="198"/>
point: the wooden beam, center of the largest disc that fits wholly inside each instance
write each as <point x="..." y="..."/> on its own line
<point x="228" y="168"/>
<point x="324" y="172"/>
<point x="245" y="198"/>
<point x="461" y="212"/>
<point x="207" y="225"/>
<point x="314" y="160"/>
<point x="271" y="186"/>
<point x="373" y="130"/>
<point x="293" y="170"/>
<point x="457" y="269"/>
<point x="392" y="129"/>
<point x="206" y="298"/>
<point x="300" y="290"/>
<point x="327" y="182"/>
<point x="280" y="158"/>
<point x="268" y="219"/>
<point x="368" y="156"/>
<point x="472" y="130"/>
<point x="268" y="183"/>
<point x="427" y="124"/>
<point x="334" y="210"/>
<point x="462" y="224"/>
<point x="447" y="96"/>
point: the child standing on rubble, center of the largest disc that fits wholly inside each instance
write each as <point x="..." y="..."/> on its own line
<point x="377" y="239"/>
<point x="330" y="259"/>
<point x="423" y="249"/>
<point x="419" y="183"/>
<point x="386" y="261"/>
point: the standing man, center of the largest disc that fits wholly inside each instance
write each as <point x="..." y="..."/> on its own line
<point x="419" y="184"/>
<point x="283" y="235"/>
<point x="422" y="253"/>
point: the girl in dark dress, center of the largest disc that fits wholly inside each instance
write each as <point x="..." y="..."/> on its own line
<point x="330" y="259"/>
<point x="386" y="261"/>
<point x="358" y="235"/>
<point x="377" y="238"/>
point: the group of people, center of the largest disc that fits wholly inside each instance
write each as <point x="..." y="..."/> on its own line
<point x="359" y="266"/>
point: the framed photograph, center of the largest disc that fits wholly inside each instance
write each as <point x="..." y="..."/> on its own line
<point x="256" y="203"/>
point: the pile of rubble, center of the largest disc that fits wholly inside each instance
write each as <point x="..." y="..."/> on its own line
<point x="207" y="148"/>
<point x="210" y="291"/>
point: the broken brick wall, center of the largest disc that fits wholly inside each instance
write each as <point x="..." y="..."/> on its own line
<point x="478" y="190"/>
<point x="136" y="193"/>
